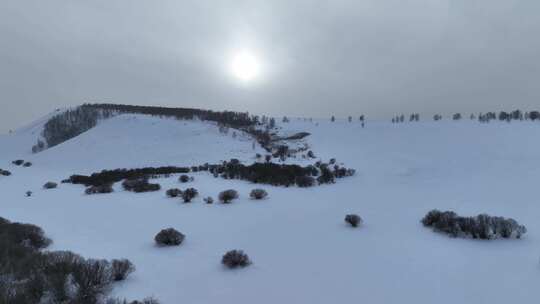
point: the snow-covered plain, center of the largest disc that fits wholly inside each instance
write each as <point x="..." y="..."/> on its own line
<point x="302" y="251"/>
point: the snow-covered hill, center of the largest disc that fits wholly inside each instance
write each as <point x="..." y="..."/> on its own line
<point x="302" y="251"/>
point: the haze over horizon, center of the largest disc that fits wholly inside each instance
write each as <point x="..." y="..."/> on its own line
<point x="301" y="58"/>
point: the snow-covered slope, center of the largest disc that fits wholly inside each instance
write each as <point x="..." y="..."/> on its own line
<point x="302" y="250"/>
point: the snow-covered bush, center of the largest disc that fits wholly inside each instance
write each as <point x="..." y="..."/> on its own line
<point x="481" y="226"/>
<point x="28" y="193"/>
<point x="5" y="172"/>
<point x="99" y="189"/>
<point x="169" y="237"/>
<point x="228" y="196"/>
<point x="258" y="194"/>
<point x="174" y="192"/>
<point x="18" y="162"/>
<point x="327" y="176"/>
<point x="140" y="185"/>
<point x="27" y="164"/>
<point x="353" y="219"/>
<point x="235" y="259"/>
<point x="121" y="269"/>
<point x="209" y="200"/>
<point x="189" y="194"/>
<point x="50" y="185"/>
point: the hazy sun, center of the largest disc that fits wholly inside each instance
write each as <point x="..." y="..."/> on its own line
<point x="245" y="66"/>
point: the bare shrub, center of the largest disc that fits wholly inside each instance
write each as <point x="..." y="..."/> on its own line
<point x="121" y="269"/>
<point x="50" y="185"/>
<point x="175" y="192"/>
<point x="184" y="178"/>
<point x="189" y="194"/>
<point x="99" y="189"/>
<point x="258" y="194"/>
<point x="481" y="226"/>
<point x="169" y="237"/>
<point x="228" y="196"/>
<point x="235" y="259"/>
<point x="353" y="219"/>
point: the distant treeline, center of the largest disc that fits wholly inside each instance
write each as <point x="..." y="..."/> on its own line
<point x="263" y="173"/>
<point x="482" y="117"/>
<point x="72" y="123"/>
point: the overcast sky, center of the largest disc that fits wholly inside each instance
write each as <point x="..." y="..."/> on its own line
<point x="318" y="58"/>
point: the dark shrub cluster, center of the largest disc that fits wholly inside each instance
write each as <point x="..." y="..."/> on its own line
<point x="32" y="276"/>
<point x="50" y="185"/>
<point x="258" y="194"/>
<point x="101" y="189"/>
<point x="113" y="176"/>
<point x="140" y="185"/>
<point x="25" y="235"/>
<point x="228" y="196"/>
<point x="169" y="237"/>
<point x="209" y="200"/>
<point x="235" y="259"/>
<point x="305" y="181"/>
<point x="5" y="172"/>
<point x="174" y="192"/>
<point x="481" y="226"/>
<point x="18" y="162"/>
<point x="27" y="164"/>
<point x="353" y="219"/>
<point x="121" y="269"/>
<point x="184" y="178"/>
<point x="281" y="174"/>
<point x="189" y="194"/>
<point x="259" y="173"/>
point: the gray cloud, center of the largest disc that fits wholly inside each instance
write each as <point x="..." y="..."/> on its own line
<point x="320" y="57"/>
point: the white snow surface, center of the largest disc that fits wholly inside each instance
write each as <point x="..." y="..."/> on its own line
<point x="302" y="251"/>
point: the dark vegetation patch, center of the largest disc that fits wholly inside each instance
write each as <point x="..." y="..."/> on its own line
<point x="101" y="189"/>
<point x="258" y="194"/>
<point x="5" y="172"/>
<point x="27" y="164"/>
<point x="174" y="192"/>
<point x="208" y="200"/>
<point x="18" y="162"/>
<point x="185" y="178"/>
<point x="140" y="185"/>
<point x="235" y="259"/>
<point x="29" y="275"/>
<point x="50" y="185"/>
<point x="353" y="219"/>
<point x="227" y="196"/>
<point x="169" y="237"/>
<point x="296" y="136"/>
<point x="481" y="226"/>
<point x="259" y="173"/>
<point x="189" y="194"/>
<point x="113" y="176"/>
